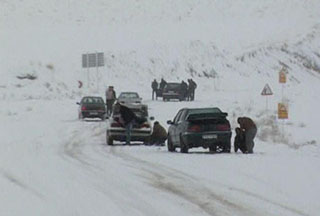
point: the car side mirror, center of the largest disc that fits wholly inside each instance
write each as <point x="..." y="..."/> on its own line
<point x="169" y="122"/>
<point x="151" y="118"/>
<point x="78" y="103"/>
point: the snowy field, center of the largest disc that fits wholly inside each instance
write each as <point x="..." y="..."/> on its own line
<point x="53" y="164"/>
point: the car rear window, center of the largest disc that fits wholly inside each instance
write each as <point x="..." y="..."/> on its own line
<point x="92" y="100"/>
<point x="128" y="95"/>
<point x="173" y="86"/>
<point x="205" y="113"/>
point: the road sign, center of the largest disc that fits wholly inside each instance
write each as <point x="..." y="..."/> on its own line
<point x="282" y="111"/>
<point x="92" y="60"/>
<point x="283" y="76"/>
<point x="266" y="90"/>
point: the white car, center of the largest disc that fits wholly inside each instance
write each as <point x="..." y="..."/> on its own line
<point x="129" y="98"/>
<point x="140" y="131"/>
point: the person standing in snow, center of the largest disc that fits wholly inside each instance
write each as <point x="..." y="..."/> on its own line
<point x="128" y="117"/>
<point x="250" y="130"/>
<point x="240" y="141"/>
<point x="163" y="83"/>
<point x="154" y="87"/>
<point x="110" y="99"/>
<point x="192" y="88"/>
<point x="183" y="90"/>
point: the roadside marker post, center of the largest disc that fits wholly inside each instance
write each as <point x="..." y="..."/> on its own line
<point x="266" y="91"/>
<point x="283" y="107"/>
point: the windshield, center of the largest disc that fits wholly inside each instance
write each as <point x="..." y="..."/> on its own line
<point x="129" y="95"/>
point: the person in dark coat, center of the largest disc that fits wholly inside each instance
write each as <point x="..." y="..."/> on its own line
<point x="239" y="141"/>
<point x="250" y="130"/>
<point x="191" y="89"/>
<point x="154" y="87"/>
<point x="159" y="134"/>
<point x="184" y="90"/>
<point x="110" y="99"/>
<point x="128" y="117"/>
<point x="163" y="83"/>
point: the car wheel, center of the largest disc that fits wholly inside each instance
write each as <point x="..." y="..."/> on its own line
<point x="170" y="146"/>
<point x="183" y="146"/>
<point x="213" y="148"/>
<point x="109" y="140"/>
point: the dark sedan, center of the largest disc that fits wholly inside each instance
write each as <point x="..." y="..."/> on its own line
<point x="92" y="107"/>
<point x="201" y="127"/>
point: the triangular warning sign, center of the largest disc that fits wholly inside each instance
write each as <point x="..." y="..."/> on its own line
<point x="266" y="90"/>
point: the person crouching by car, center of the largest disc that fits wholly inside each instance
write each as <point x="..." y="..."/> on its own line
<point x="128" y="117"/>
<point x="250" y="131"/>
<point x="240" y="141"/>
<point x="159" y="135"/>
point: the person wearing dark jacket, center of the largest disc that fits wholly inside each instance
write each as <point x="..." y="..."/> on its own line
<point x="183" y="90"/>
<point x="128" y="118"/>
<point x="163" y="83"/>
<point x="154" y="87"/>
<point x="110" y="99"/>
<point x="250" y="130"/>
<point x="191" y="89"/>
<point x="159" y="134"/>
<point x="239" y="141"/>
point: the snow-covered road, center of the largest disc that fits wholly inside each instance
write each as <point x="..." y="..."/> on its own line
<point x="53" y="164"/>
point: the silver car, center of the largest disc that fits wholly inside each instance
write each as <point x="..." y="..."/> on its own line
<point x="140" y="131"/>
<point x="129" y="98"/>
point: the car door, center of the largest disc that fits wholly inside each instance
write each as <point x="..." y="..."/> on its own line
<point x="172" y="129"/>
<point x="176" y="122"/>
<point x="181" y="124"/>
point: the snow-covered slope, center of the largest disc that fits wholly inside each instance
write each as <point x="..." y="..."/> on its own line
<point x="230" y="48"/>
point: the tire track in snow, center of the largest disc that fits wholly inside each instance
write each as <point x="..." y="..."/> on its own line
<point x="190" y="188"/>
<point x="184" y="186"/>
<point x="20" y="184"/>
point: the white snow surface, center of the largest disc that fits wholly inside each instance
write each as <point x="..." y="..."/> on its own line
<point x="53" y="164"/>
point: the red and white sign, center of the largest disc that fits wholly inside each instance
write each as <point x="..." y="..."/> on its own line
<point x="266" y="90"/>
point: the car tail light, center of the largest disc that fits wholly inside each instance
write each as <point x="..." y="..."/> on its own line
<point x="83" y="108"/>
<point x="194" y="128"/>
<point x="224" y="127"/>
<point x="116" y="124"/>
<point x="145" y="125"/>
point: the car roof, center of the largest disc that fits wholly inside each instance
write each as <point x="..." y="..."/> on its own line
<point x="204" y="110"/>
<point x="129" y="93"/>
<point x="175" y="83"/>
<point x="92" y="97"/>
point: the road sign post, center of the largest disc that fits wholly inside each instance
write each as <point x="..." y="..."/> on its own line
<point x="93" y="60"/>
<point x="266" y="91"/>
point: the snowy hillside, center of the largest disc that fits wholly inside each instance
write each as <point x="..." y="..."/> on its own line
<point x="53" y="164"/>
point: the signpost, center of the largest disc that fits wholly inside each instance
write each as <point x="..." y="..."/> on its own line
<point x="282" y="107"/>
<point x="266" y="91"/>
<point x="90" y="60"/>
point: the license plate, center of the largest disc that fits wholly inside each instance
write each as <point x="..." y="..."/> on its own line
<point x="210" y="136"/>
<point x="93" y="113"/>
